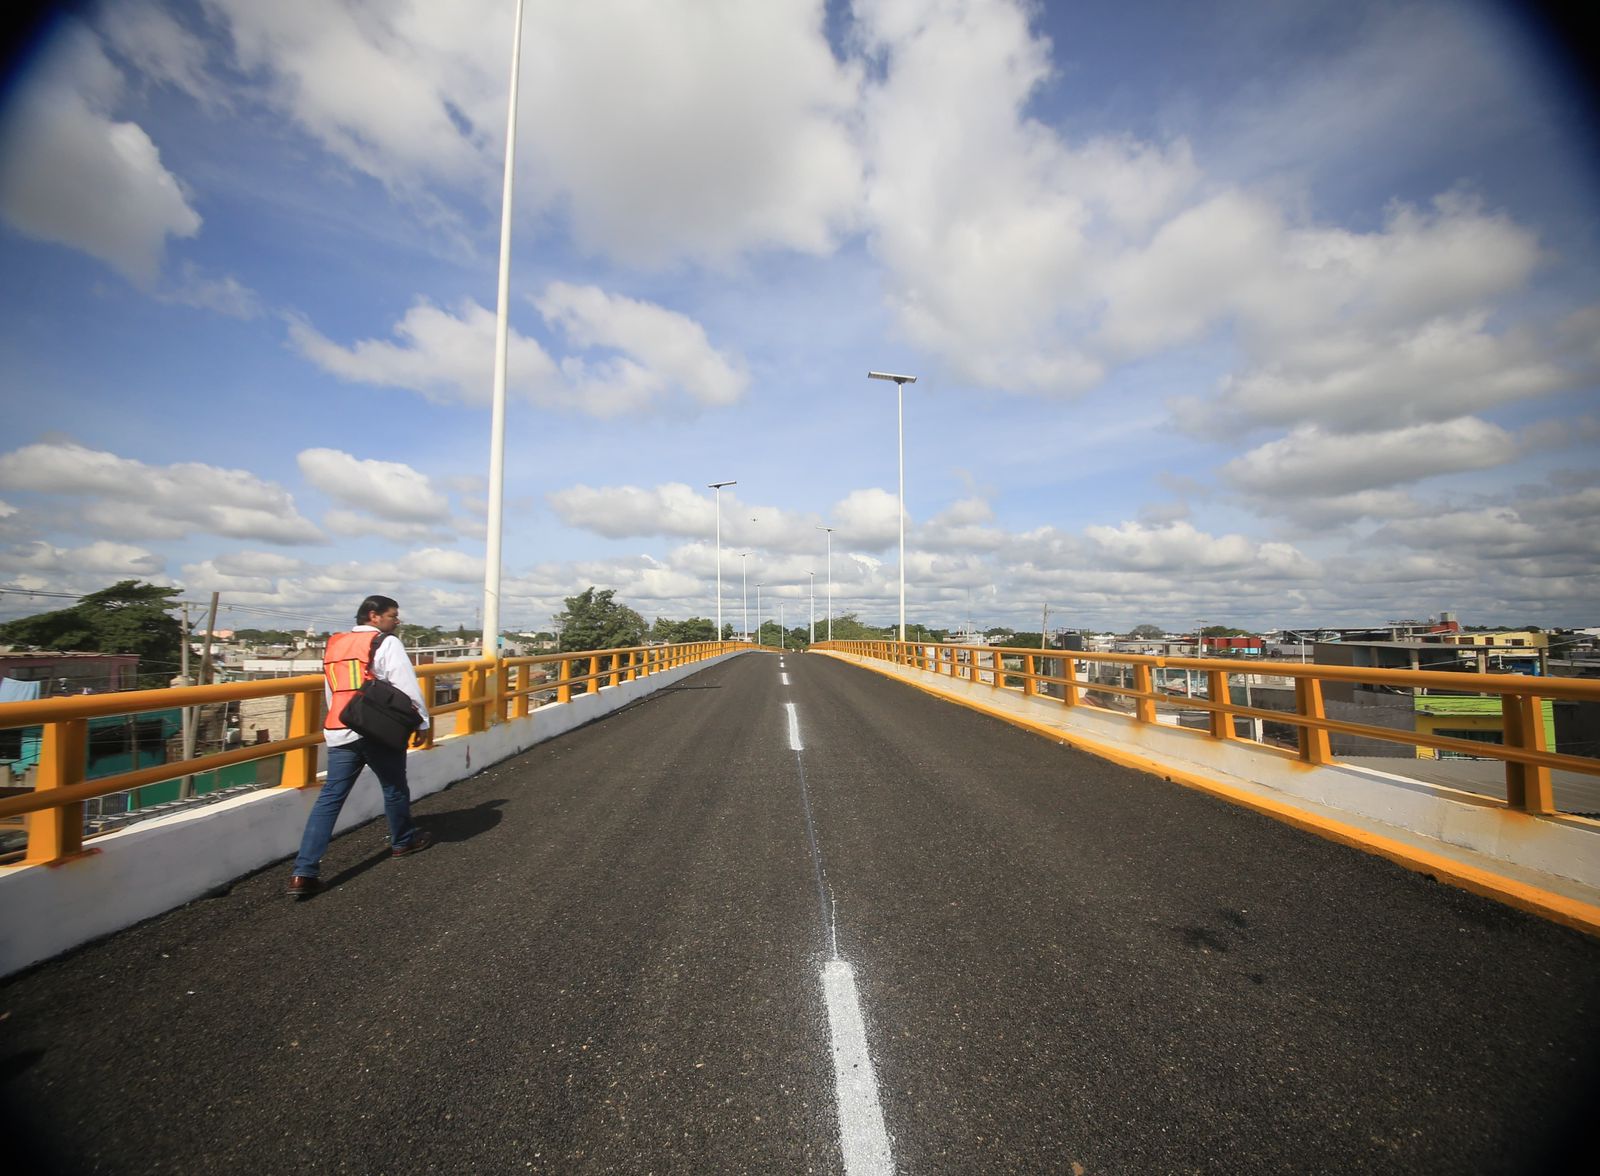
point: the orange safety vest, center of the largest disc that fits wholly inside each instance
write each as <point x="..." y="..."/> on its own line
<point x="346" y="664"/>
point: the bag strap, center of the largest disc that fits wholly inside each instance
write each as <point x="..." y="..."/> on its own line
<point x="377" y="640"/>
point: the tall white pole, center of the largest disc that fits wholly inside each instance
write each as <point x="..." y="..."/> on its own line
<point x="744" y="585"/>
<point x="900" y="398"/>
<point x="829" y="530"/>
<point x="813" y="575"/>
<point x="900" y="383"/>
<point x="497" y="429"/>
<point x="758" y="614"/>
<point x="717" y="486"/>
<point x="781" y="635"/>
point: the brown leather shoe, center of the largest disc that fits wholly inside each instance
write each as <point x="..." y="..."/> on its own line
<point x="419" y="842"/>
<point x="303" y="887"/>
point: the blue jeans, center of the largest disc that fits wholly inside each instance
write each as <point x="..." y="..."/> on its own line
<point x="344" y="765"/>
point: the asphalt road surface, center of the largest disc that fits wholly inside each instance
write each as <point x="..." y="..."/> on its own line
<point x="805" y="919"/>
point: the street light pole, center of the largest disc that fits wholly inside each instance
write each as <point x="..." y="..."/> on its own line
<point x="717" y="486"/>
<point x="813" y="576"/>
<point x="758" y="613"/>
<point x="829" y="530"/>
<point x="744" y="586"/>
<point x="900" y="383"/>
<point x="497" y="416"/>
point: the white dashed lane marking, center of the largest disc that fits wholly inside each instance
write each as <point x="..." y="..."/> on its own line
<point x="863" y="1139"/>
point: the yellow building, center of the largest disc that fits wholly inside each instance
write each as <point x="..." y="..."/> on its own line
<point x="1523" y="639"/>
<point x="1464" y="717"/>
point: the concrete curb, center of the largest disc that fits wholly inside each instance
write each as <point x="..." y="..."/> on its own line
<point x="1549" y="866"/>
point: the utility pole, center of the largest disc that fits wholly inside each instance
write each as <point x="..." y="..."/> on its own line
<point x="1044" y="623"/>
<point x="205" y="652"/>
<point x="191" y="726"/>
<point x="186" y="714"/>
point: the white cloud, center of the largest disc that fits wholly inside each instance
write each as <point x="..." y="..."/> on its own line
<point x="1215" y="257"/>
<point x="1311" y="461"/>
<point x="225" y="295"/>
<point x="676" y="509"/>
<point x="388" y="489"/>
<point x="658" y="355"/>
<point x="1180" y="549"/>
<point x="358" y="80"/>
<point x="159" y="47"/>
<point x="448" y="358"/>
<point x="434" y="563"/>
<point x="128" y="498"/>
<point x="90" y="182"/>
<point x="1554" y="530"/>
<point x="670" y="348"/>
<point x="102" y="559"/>
<point x="867" y="519"/>
<point x="734" y="119"/>
<point x="987" y="225"/>
<point x="622" y="512"/>
<point x="413" y="93"/>
<point x="1351" y="381"/>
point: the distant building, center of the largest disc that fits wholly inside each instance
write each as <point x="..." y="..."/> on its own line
<point x="59" y="672"/>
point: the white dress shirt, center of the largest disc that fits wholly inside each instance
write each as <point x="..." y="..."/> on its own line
<point x="389" y="664"/>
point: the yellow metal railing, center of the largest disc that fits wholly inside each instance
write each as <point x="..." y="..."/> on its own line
<point x="1526" y="753"/>
<point x="491" y="692"/>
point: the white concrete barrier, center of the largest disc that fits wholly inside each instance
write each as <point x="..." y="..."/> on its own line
<point x="153" y="866"/>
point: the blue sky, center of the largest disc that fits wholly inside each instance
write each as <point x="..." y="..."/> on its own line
<point x="1244" y="312"/>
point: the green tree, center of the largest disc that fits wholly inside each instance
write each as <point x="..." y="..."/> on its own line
<point x="128" y="617"/>
<point x="1147" y="632"/>
<point x="848" y="627"/>
<point x="677" y="632"/>
<point x="1023" y="641"/>
<point x="594" y="620"/>
<point x="414" y="635"/>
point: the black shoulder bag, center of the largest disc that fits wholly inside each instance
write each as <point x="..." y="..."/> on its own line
<point x="380" y="712"/>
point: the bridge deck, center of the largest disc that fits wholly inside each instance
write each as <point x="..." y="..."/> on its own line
<point x="611" y="962"/>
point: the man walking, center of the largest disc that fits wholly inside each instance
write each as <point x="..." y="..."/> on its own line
<point x="371" y="644"/>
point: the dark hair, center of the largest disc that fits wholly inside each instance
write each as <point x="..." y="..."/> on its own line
<point x="374" y="604"/>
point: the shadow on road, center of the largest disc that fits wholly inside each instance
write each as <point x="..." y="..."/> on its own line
<point x="464" y="824"/>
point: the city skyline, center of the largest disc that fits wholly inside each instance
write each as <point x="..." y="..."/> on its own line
<point x="1270" y="315"/>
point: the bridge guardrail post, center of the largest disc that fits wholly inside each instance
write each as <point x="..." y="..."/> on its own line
<point x="1069" y="672"/>
<point x="1527" y="785"/>
<point x="300" y="763"/>
<point x="55" y="834"/>
<point x="475" y="716"/>
<point x="1030" y="685"/>
<point x="564" y="680"/>
<point x="1315" y="744"/>
<point x="521" y="684"/>
<point x="1221" y="720"/>
<point x="1145" y="703"/>
<point x="497" y="693"/>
